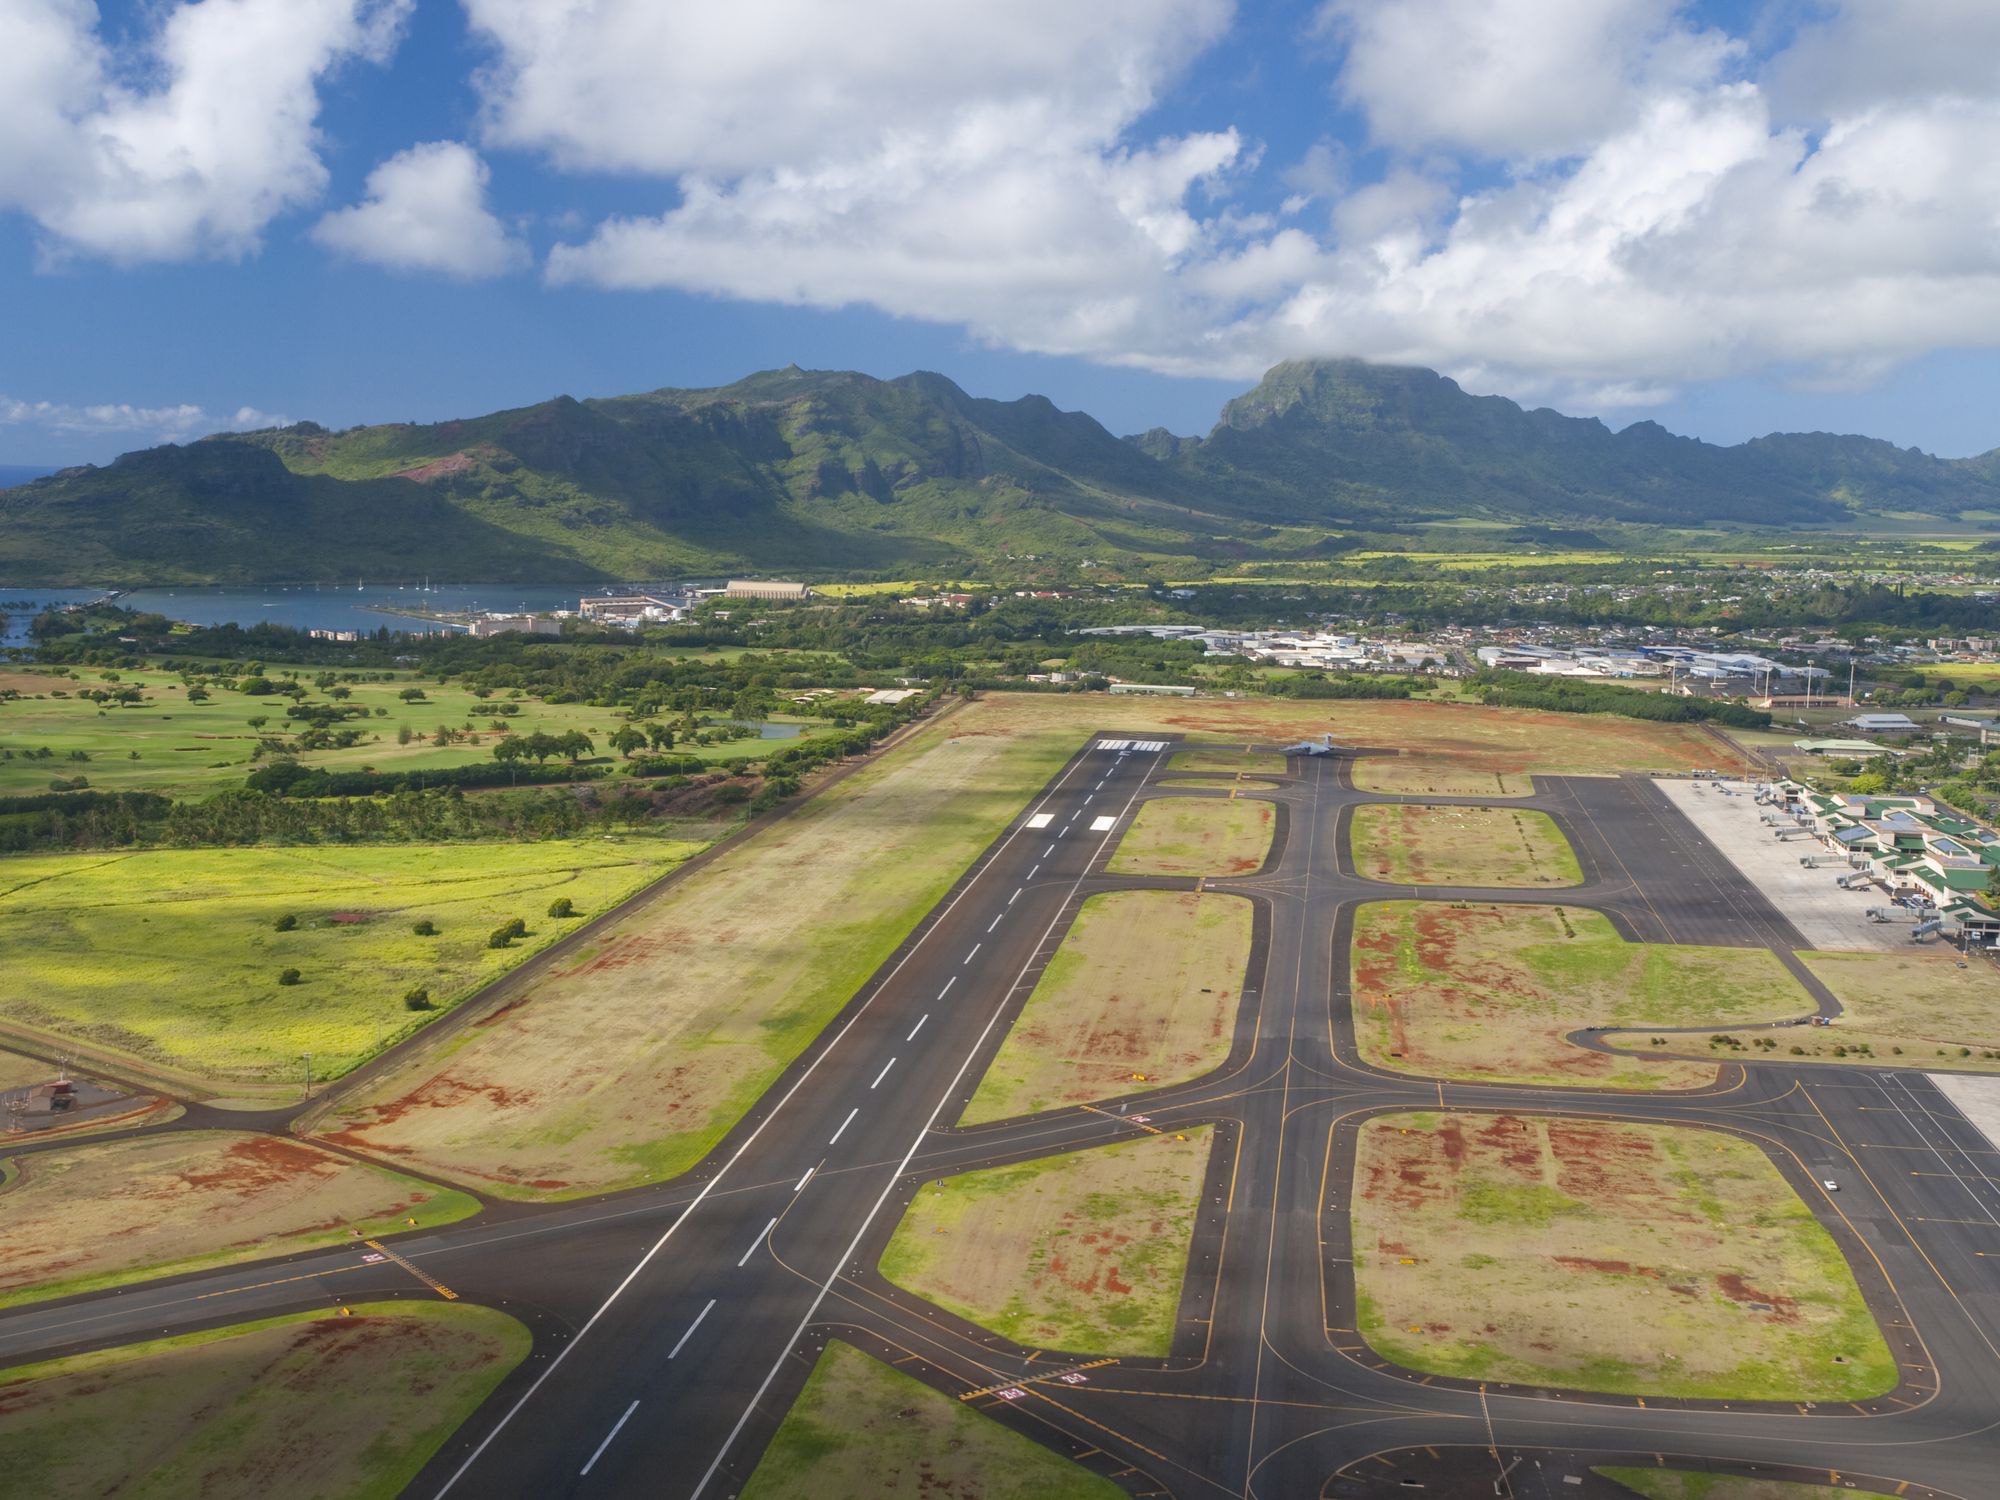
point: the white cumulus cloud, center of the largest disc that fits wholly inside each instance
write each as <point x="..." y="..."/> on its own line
<point x="156" y="424"/>
<point x="426" y="210"/>
<point x="189" y="142"/>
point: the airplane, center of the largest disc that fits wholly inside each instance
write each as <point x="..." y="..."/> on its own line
<point x="1322" y="746"/>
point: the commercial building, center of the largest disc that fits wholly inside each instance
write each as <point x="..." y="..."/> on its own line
<point x="771" y="589"/>
<point x="628" y="609"/>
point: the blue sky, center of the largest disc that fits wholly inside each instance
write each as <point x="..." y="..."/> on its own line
<point x="1729" y="218"/>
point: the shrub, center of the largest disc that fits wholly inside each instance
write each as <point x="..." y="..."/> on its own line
<point x="425" y="928"/>
<point x="286" y="923"/>
<point x="562" y="906"/>
<point x="288" y="976"/>
<point x="417" y="999"/>
<point x="506" y="932"/>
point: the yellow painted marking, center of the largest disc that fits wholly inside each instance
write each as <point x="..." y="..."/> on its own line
<point x="1008" y="1385"/>
<point x="428" y="1280"/>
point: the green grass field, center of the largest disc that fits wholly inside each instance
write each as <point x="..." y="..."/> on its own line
<point x="1685" y="1484"/>
<point x="1599" y="1256"/>
<point x="1144" y="985"/>
<point x="312" y="1406"/>
<point x="861" y="1428"/>
<point x="1195" y="836"/>
<point x="167" y="961"/>
<point x="1226" y="762"/>
<point x="1085" y="1251"/>
<point x="1490" y="994"/>
<point x="1413" y="844"/>
<point x="167" y="744"/>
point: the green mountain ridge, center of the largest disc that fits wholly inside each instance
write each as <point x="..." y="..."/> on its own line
<point x="826" y="472"/>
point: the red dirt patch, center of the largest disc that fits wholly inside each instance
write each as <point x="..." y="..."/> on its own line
<point x="438" y="468"/>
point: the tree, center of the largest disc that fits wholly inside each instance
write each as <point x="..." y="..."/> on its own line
<point x="411" y="695"/>
<point x="575" y="745"/>
<point x="417" y="999"/>
<point x="286" y="923"/>
<point x="562" y="906"/>
<point x="659" y="736"/>
<point x="425" y="928"/>
<point x="628" y="738"/>
<point x="288" y="976"/>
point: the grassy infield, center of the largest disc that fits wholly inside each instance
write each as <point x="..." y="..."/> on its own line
<point x="900" y="832"/>
<point x="310" y="1406"/>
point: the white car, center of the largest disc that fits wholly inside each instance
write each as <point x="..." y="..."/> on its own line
<point x="1829" y="1184"/>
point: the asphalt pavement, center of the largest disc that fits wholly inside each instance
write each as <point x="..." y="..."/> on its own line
<point x="674" y="1325"/>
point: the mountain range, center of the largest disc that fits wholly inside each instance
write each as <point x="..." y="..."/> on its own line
<point x="827" y="471"/>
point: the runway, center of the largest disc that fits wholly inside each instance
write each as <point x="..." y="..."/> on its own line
<point x="674" y="1325"/>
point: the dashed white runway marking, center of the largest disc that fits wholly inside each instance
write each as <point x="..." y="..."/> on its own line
<point x="918" y="1027"/>
<point x="800" y="1185"/>
<point x="613" y="1432"/>
<point x="1011" y="900"/>
<point x="883" y="1074"/>
<point x="844" y="1124"/>
<point x="1031" y="873"/>
<point x="755" y="1243"/>
<point x="947" y="986"/>
<point x="690" y="1332"/>
<point x="968" y="957"/>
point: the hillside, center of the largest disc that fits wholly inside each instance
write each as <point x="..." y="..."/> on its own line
<point x="832" y="472"/>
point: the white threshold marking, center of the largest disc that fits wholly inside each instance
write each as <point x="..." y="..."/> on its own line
<point x="968" y="957"/>
<point x="845" y="1123"/>
<point x="755" y="1243"/>
<point x="800" y="1185"/>
<point x="883" y="1074"/>
<point x="612" y="1434"/>
<point x="1041" y="820"/>
<point x="947" y="986"/>
<point x="918" y="1027"/>
<point x="1102" y="825"/>
<point x="690" y="1330"/>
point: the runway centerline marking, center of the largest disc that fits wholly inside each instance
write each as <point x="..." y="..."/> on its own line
<point x="1046" y="853"/>
<point x="615" y="1426"/>
<point x="996" y="921"/>
<point x="800" y="1185"/>
<point x="947" y="986"/>
<point x="762" y="1235"/>
<point x="888" y="1188"/>
<point x="1032" y="873"/>
<point x="968" y="957"/>
<point x="883" y="1074"/>
<point x="1010" y="901"/>
<point x="844" y="1124"/>
<point x="825" y="1050"/>
<point x="918" y="1027"/>
<point x="697" y="1322"/>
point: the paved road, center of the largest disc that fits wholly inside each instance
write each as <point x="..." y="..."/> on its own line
<point x="674" y="1325"/>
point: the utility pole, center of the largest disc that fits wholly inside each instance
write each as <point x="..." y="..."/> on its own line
<point x="307" y="1057"/>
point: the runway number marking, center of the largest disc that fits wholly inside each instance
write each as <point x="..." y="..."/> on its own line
<point x="883" y="1074"/>
<point x="756" y="1242"/>
<point x="844" y="1124"/>
<point x="615" y="1426"/>
<point x="697" y="1322"/>
<point x="918" y="1027"/>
